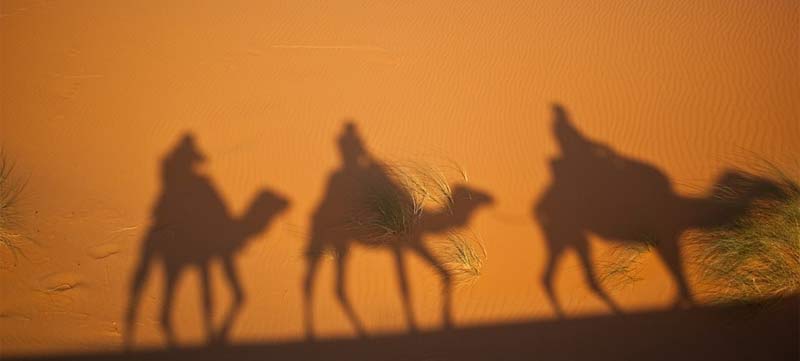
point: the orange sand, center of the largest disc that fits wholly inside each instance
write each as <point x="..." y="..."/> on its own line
<point x="94" y="94"/>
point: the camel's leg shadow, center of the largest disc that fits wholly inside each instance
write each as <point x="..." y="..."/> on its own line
<point x="405" y="293"/>
<point x="447" y="283"/>
<point x="341" y="292"/>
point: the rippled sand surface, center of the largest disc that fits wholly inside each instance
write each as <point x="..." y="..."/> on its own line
<point x="94" y="94"/>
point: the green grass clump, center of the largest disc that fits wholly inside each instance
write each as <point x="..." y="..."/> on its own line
<point x="758" y="255"/>
<point x="9" y="193"/>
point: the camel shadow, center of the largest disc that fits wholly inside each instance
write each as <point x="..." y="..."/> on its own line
<point x="596" y="190"/>
<point x="364" y="204"/>
<point x="191" y="227"/>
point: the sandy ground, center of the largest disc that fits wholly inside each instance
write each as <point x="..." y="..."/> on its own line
<point x="94" y="94"/>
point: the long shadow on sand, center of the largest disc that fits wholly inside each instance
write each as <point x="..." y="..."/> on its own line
<point x="701" y="333"/>
<point x="596" y="190"/>
<point x="191" y="227"/>
<point x="364" y="204"/>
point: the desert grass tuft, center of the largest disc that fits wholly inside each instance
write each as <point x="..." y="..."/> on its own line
<point x="758" y="256"/>
<point x="622" y="265"/>
<point x="463" y="256"/>
<point x="428" y="184"/>
<point x="10" y="190"/>
<point x="396" y="197"/>
<point x="395" y="200"/>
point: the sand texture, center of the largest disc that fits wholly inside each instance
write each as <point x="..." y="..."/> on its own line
<point x="588" y="120"/>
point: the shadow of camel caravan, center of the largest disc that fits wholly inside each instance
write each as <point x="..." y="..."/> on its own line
<point x="191" y="227"/>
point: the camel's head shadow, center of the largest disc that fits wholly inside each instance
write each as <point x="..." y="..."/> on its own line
<point x="737" y="191"/>
<point x="264" y="207"/>
<point x="466" y="195"/>
<point x="738" y="186"/>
